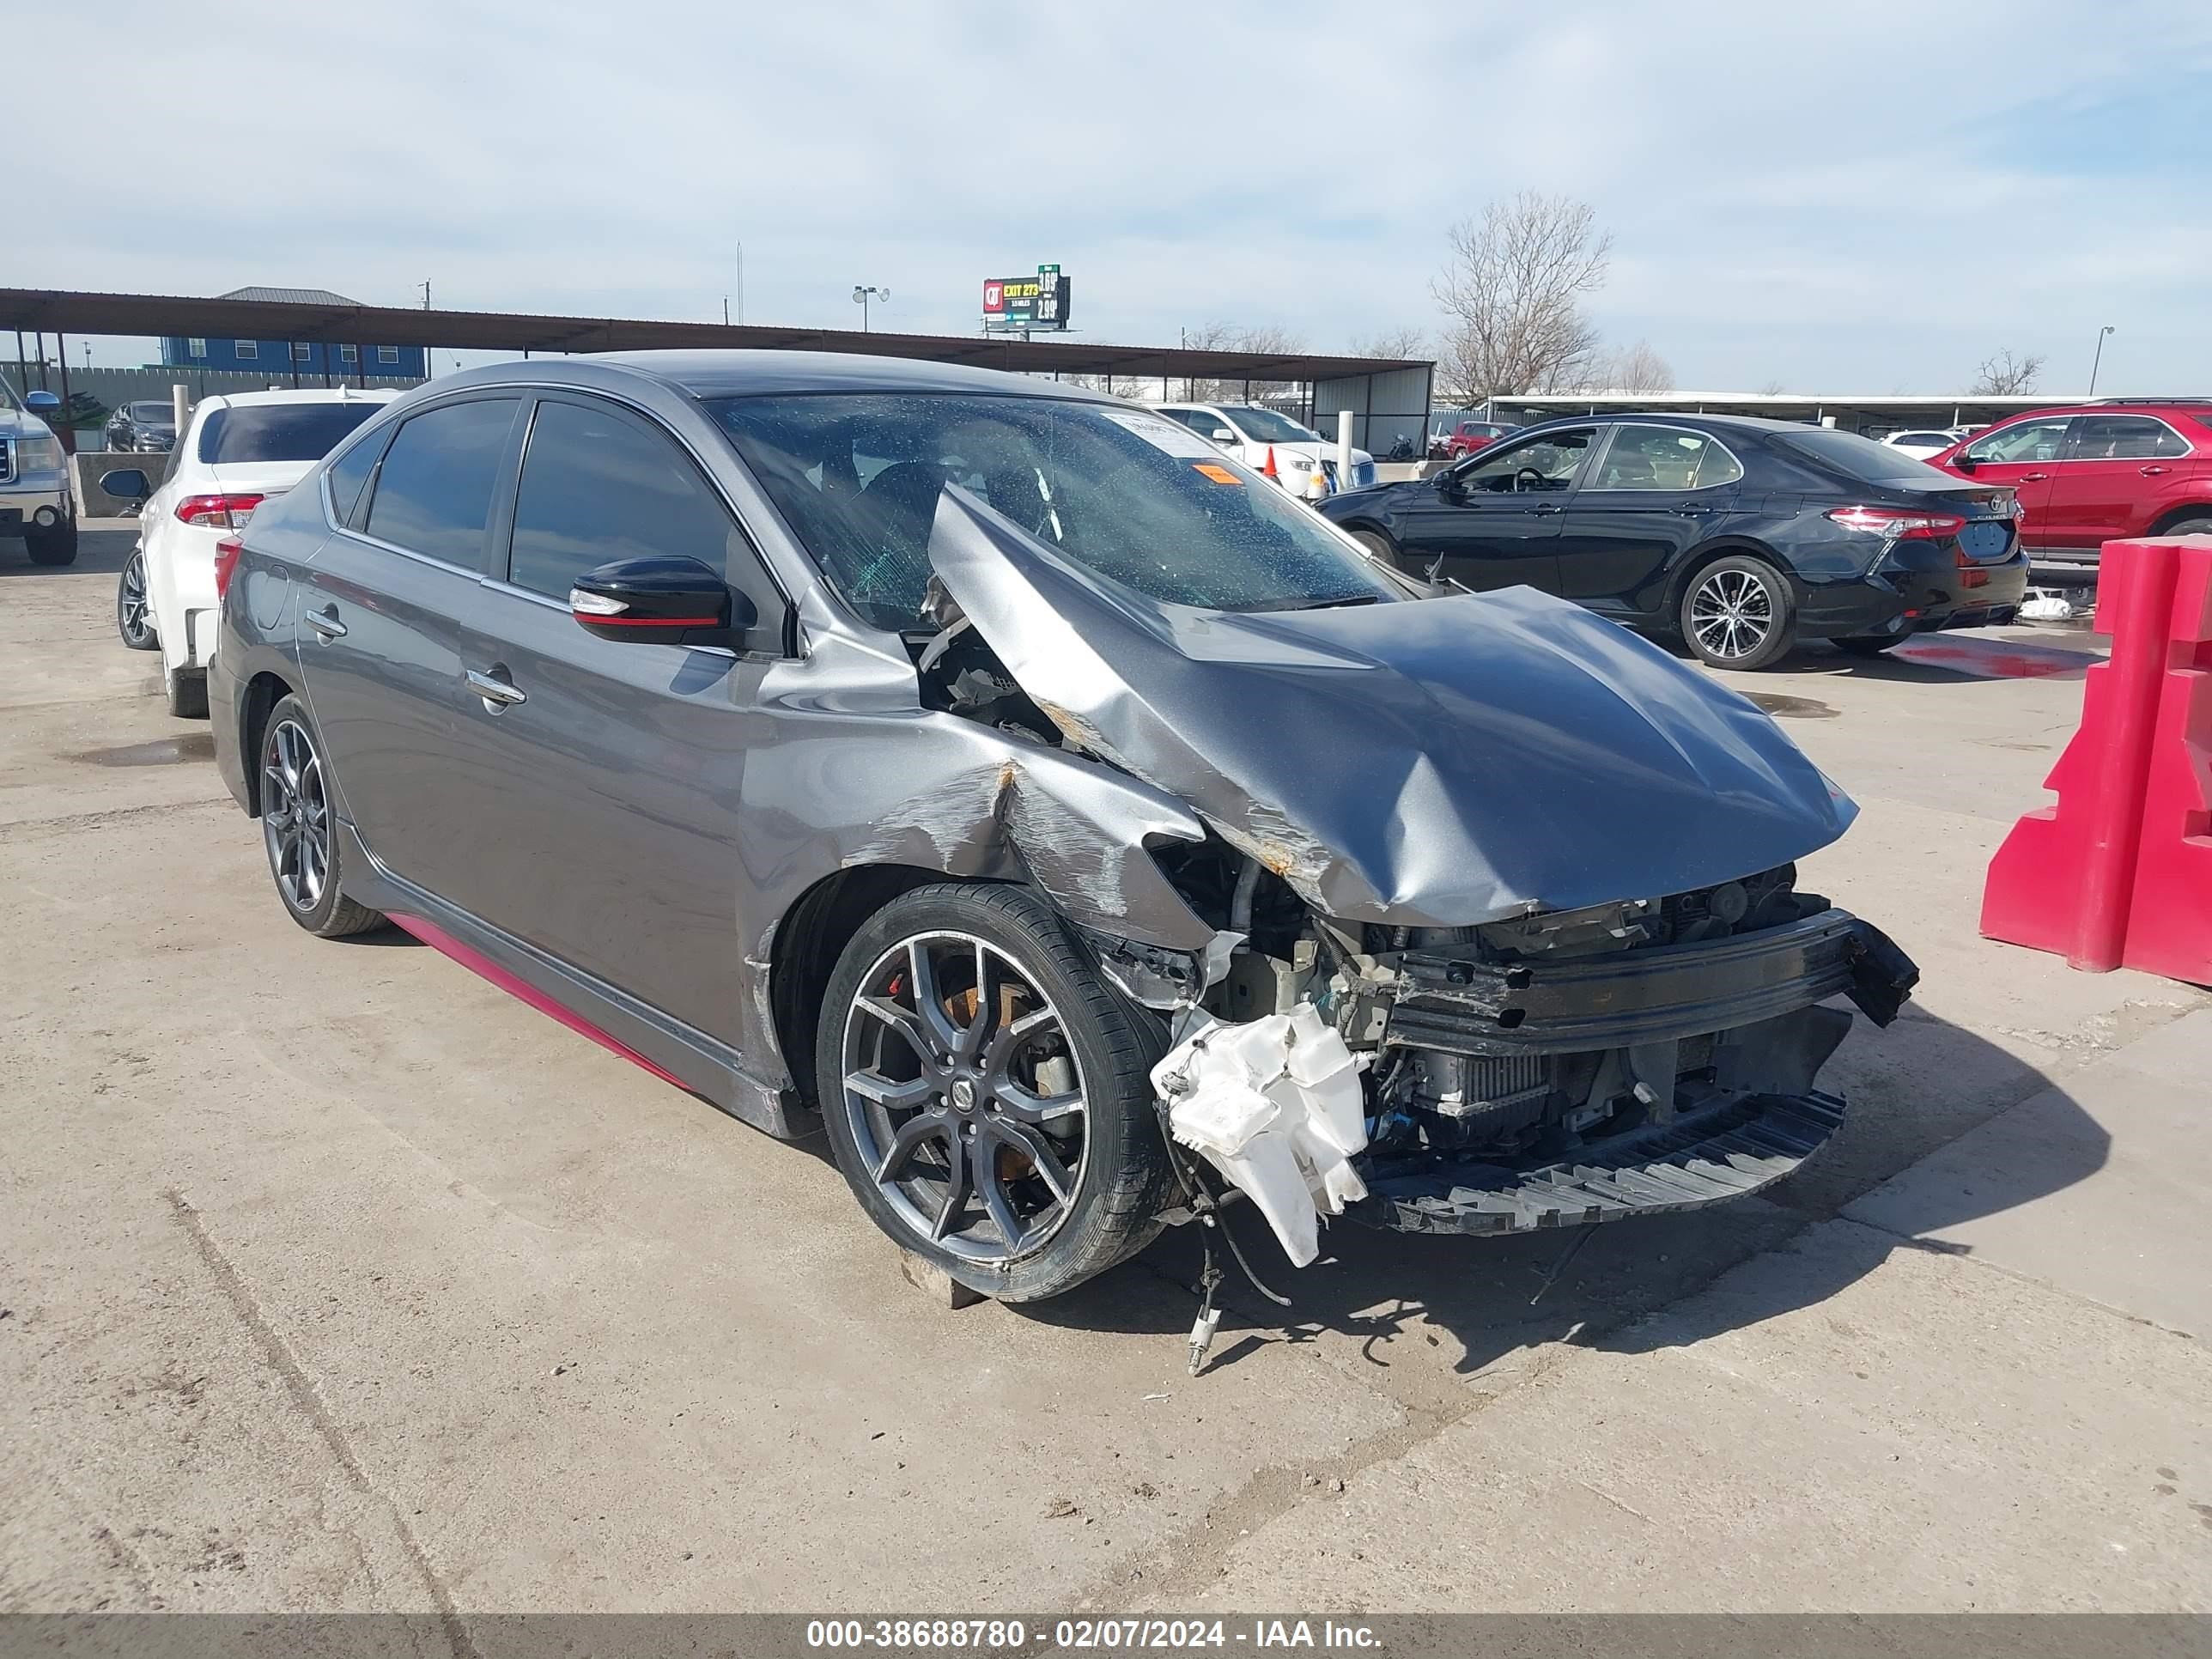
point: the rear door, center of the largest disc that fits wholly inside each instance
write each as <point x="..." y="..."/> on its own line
<point x="1494" y="522"/>
<point x="2115" y="467"/>
<point x="382" y="635"/>
<point x="1653" y="494"/>
<point x="2024" y="456"/>
<point x="603" y="797"/>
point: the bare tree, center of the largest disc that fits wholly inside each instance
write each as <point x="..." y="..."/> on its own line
<point x="1393" y="344"/>
<point x="1773" y="388"/>
<point x="1512" y="292"/>
<point x="1628" y="368"/>
<point x="2005" y="375"/>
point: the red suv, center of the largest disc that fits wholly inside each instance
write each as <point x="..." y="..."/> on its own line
<point x="2092" y="474"/>
<point x="1467" y="436"/>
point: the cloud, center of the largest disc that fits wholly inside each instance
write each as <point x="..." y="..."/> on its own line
<point x="1875" y="194"/>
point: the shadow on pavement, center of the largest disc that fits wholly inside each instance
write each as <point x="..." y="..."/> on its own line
<point x="1396" y="1294"/>
<point x="100" y="552"/>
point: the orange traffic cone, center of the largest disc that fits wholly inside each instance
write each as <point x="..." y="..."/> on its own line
<point x="1269" y="471"/>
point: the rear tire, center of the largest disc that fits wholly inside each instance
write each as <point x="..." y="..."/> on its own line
<point x="56" y="547"/>
<point x="300" y="828"/>
<point x="899" y="1092"/>
<point x="187" y="693"/>
<point x="2197" y="524"/>
<point x="1737" y="614"/>
<point x="1867" y="644"/>
<point x="134" y="611"/>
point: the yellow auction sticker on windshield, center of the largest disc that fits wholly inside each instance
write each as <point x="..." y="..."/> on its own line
<point x="1218" y="474"/>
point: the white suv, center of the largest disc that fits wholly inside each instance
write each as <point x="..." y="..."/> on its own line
<point x="34" y="483"/>
<point x="237" y="452"/>
<point x="1250" y="432"/>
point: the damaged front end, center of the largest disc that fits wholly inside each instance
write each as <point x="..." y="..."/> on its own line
<point x="1427" y="1002"/>
<point x="1545" y="1071"/>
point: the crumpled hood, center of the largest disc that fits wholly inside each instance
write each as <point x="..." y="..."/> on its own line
<point x="1441" y="762"/>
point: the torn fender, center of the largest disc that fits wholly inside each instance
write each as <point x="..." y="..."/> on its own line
<point x="1439" y="762"/>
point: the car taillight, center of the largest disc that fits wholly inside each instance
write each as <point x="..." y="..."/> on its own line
<point x="226" y="560"/>
<point x="1898" y="523"/>
<point x="218" y="512"/>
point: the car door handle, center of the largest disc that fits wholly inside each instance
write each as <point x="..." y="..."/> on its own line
<point x="2153" y="471"/>
<point x="1547" y="506"/>
<point x="1692" y="510"/>
<point x="2033" y="477"/>
<point x="325" y="622"/>
<point x="496" y="693"/>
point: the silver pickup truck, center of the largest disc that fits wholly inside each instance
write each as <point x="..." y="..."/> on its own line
<point x="35" y="480"/>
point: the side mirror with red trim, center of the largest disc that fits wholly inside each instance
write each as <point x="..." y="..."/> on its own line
<point x="660" y="601"/>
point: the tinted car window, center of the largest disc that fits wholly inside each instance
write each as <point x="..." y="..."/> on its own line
<point x="1664" y="457"/>
<point x="596" y="488"/>
<point x="434" y="492"/>
<point x="1265" y="426"/>
<point x="2027" y="441"/>
<point x="2125" y="438"/>
<point x="1132" y="496"/>
<point x="346" y="475"/>
<point x="1546" y="462"/>
<point x="1856" y="458"/>
<point x="279" y="432"/>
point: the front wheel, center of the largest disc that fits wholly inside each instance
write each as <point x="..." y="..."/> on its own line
<point x="134" y="615"/>
<point x="57" y="546"/>
<point x="299" y="830"/>
<point x="1737" y="614"/>
<point x="986" y="1094"/>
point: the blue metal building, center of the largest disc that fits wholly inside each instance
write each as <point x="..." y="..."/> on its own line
<point x="307" y="360"/>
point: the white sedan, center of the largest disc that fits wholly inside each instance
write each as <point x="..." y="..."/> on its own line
<point x="1921" y="443"/>
<point x="1304" y="461"/>
<point x="239" y="449"/>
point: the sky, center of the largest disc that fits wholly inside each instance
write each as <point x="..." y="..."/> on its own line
<point x="1853" y="198"/>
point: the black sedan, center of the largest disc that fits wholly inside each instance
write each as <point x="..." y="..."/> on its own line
<point x="1735" y="537"/>
<point x="142" y="427"/>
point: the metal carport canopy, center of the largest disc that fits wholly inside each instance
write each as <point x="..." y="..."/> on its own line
<point x="73" y="312"/>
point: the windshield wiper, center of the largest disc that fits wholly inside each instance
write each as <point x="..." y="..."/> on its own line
<point x="1327" y="605"/>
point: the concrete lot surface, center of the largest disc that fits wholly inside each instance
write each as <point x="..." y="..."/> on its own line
<point x="331" y="1277"/>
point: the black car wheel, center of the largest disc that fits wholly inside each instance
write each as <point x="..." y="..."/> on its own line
<point x="986" y="1093"/>
<point x="57" y="546"/>
<point x="1867" y="644"/>
<point x="134" y="615"/>
<point x="1737" y="613"/>
<point x="299" y="830"/>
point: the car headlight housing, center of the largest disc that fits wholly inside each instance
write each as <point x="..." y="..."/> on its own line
<point x="38" y="454"/>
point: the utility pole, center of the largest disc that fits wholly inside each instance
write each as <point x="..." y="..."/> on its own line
<point x="2098" y="362"/>
<point x="741" y="287"/>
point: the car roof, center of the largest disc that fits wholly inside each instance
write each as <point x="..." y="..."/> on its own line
<point x="1717" y="424"/>
<point x="300" y="395"/>
<point x="751" y="373"/>
<point x="2197" y="409"/>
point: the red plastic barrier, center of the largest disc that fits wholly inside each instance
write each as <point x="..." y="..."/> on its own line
<point x="2119" y="873"/>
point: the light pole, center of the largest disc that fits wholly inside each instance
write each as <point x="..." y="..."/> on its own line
<point x="2097" y="362"/>
<point x="862" y="295"/>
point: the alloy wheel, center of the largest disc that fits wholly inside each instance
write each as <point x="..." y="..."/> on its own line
<point x="295" y="821"/>
<point x="965" y="1098"/>
<point x="1732" y="614"/>
<point x="131" y="615"/>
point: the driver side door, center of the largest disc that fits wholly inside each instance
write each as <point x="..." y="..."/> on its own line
<point x="1493" y="521"/>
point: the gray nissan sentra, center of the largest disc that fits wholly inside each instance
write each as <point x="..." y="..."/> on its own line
<point x="1083" y="833"/>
